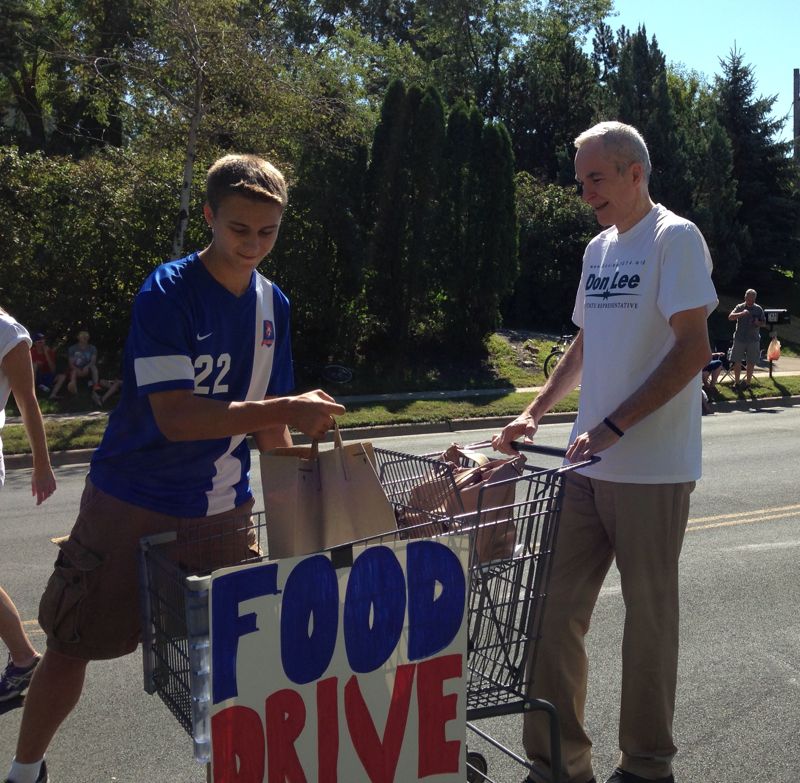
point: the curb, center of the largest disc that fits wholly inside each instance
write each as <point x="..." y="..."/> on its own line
<point x="83" y="456"/>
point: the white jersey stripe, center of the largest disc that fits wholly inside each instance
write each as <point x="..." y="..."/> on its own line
<point x="228" y="468"/>
<point x="158" y="369"/>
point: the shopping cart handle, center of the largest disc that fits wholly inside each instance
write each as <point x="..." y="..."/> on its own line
<point x="551" y="451"/>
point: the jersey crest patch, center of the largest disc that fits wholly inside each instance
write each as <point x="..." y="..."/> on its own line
<point x="269" y="334"/>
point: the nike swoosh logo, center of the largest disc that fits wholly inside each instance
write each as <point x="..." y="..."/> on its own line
<point x="204" y="336"/>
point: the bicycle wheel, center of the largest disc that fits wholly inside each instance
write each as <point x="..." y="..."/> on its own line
<point x="337" y="373"/>
<point x="551" y="361"/>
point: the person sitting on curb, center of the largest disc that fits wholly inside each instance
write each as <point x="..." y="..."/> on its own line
<point x="43" y="358"/>
<point x="109" y="387"/>
<point x="83" y="363"/>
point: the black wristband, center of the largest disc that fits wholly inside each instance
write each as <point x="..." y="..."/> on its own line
<point x="613" y="427"/>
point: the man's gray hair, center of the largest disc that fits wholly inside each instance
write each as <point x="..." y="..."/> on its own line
<point x="751" y="291"/>
<point x="622" y="141"/>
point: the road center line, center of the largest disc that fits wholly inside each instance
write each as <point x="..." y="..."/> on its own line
<point x="795" y="507"/>
<point x="738" y="519"/>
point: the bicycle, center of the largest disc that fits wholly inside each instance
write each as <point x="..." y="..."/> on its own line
<point x="556" y="352"/>
<point x="329" y="373"/>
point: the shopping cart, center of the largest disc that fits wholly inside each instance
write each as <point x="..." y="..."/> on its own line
<point x="505" y="604"/>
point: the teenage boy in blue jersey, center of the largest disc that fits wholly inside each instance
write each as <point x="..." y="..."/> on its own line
<point x="207" y="361"/>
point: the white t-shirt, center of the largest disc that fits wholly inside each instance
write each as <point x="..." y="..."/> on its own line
<point x="631" y="285"/>
<point x="11" y="335"/>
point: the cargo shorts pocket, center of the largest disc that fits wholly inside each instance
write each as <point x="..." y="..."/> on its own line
<point x="60" y="608"/>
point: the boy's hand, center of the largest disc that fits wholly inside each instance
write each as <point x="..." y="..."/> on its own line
<point x="312" y="413"/>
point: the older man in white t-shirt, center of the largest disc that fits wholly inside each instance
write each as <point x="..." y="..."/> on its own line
<point x="643" y="300"/>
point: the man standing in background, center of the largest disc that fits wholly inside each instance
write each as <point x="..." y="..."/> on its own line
<point x="749" y="318"/>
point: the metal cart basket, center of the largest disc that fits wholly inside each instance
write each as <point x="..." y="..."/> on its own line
<point x="505" y="601"/>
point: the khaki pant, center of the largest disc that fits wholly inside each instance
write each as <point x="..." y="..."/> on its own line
<point x="643" y="526"/>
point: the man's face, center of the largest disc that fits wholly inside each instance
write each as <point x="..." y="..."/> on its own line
<point x="750" y="299"/>
<point x="613" y="195"/>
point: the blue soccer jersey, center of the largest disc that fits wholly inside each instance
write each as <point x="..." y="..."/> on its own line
<point x="189" y="332"/>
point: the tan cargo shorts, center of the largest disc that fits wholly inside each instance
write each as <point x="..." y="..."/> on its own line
<point x="90" y="607"/>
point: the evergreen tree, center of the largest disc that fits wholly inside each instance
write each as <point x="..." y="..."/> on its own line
<point x="319" y="260"/>
<point x="499" y="235"/>
<point x="552" y="92"/>
<point x="426" y="241"/>
<point x="645" y="102"/>
<point x="764" y="173"/>
<point x="716" y="207"/>
<point x="461" y="262"/>
<point x="388" y="200"/>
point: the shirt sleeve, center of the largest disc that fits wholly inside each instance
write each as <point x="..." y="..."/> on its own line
<point x="685" y="273"/>
<point x="11" y="335"/>
<point x="159" y="342"/>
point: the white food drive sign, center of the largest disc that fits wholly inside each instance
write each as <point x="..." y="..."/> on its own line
<point x="342" y="675"/>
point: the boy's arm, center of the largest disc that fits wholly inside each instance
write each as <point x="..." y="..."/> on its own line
<point x="272" y="438"/>
<point x="183" y="416"/>
<point x="19" y="370"/>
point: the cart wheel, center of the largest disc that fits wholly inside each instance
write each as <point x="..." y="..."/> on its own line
<point x="476" y="767"/>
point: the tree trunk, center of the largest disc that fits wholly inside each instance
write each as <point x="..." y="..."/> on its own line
<point x="188" y="167"/>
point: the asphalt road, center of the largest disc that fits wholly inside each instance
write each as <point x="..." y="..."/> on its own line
<point x="738" y="710"/>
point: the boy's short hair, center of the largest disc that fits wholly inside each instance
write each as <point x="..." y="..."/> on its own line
<point x="622" y="141"/>
<point x="247" y="175"/>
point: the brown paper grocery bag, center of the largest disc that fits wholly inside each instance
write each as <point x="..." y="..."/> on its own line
<point x="317" y="499"/>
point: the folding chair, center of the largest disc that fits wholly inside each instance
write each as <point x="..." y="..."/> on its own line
<point x="722" y="351"/>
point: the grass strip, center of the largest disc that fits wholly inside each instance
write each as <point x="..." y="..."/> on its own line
<point x="85" y="432"/>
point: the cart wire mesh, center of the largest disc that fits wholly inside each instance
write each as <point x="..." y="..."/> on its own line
<point x="506" y="596"/>
<point x="505" y="599"/>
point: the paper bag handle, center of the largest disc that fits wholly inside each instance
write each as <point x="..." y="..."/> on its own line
<point x="337" y="445"/>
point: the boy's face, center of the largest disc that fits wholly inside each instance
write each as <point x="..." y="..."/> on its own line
<point x="244" y="229"/>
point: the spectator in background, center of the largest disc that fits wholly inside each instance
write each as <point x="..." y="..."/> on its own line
<point x="712" y="370"/>
<point x="109" y="387"/>
<point x="749" y="318"/>
<point x="83" y="364"/>
<point x="43" y="358"/>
